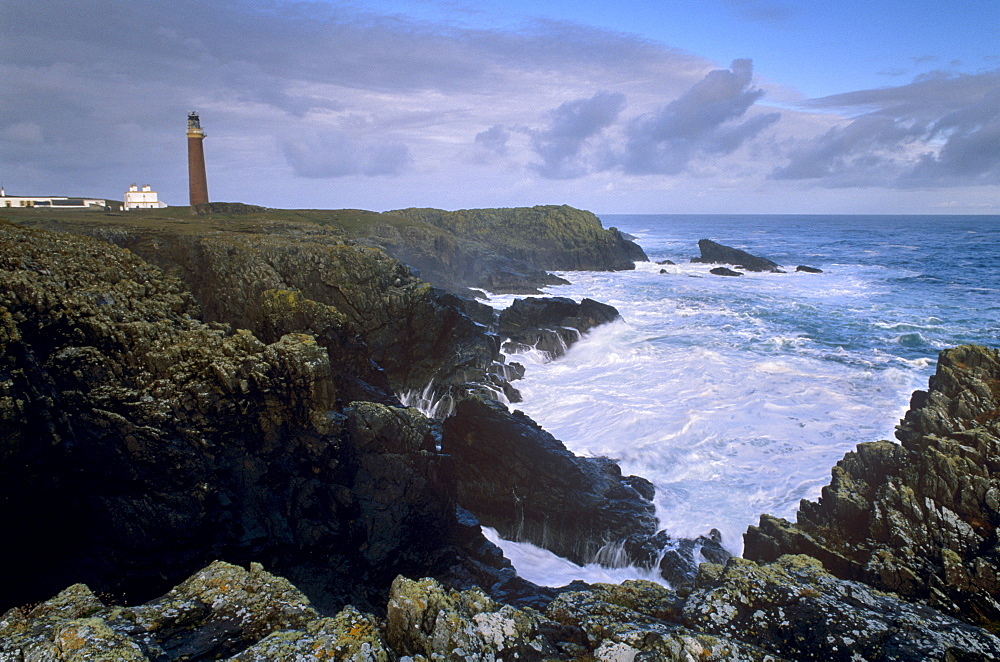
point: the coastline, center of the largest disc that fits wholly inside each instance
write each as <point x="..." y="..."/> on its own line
<point x="351" y="401"/>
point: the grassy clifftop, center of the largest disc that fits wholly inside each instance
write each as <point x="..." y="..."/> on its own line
<point x="499" y="250"/>
<point x="548" y="236"/>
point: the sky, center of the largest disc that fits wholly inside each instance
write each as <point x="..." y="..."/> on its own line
<point x="643" y="106"/>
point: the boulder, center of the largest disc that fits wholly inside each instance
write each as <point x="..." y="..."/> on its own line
<point x="808" y="270"/>
<point x="517" y="478"/>
<point x="424" y="618"/>
<point x="677" y="559"/>
<point x="722" y="271"/>
<point x="714" y="253"/>
<point x="551" y="324"/>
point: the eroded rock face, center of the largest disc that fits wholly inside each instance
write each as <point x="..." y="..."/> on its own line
<point x="715" y="253"/>
<point x="548" y="237"/>
<point x="381" y="325"/>
<point x="138" y="443"/>
<point x="522" y="481"/>
<point x="551" y="324"/>
<point x="920" y="518"/>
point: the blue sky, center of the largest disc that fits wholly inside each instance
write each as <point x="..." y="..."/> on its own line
<point x="818" y="47"/>
<point x="709" y="106"/>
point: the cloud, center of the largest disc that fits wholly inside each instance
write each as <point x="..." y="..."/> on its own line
<point x="572" y="124"/>
<point x="335" y="154"/>
<point x="940" y="130"/>
<point x="489" y="146"/>
<point x="24" y="132"/>
<point x="702" y="120"/>
<point x="284" y="83"/>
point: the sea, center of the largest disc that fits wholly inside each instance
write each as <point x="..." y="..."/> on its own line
<point x="736" y="396"/>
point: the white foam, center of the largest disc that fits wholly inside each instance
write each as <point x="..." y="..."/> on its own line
<point x="544" y="568"/>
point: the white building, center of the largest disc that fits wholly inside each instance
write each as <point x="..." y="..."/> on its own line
<point x="49" y="202"/>
<point x="144" y="199"/>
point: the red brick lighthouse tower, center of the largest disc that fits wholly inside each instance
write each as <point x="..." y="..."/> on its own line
<point x="197" y="182"/>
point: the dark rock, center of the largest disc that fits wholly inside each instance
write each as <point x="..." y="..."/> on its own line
<point x="640" y="620"/>
<point x="722" y="271"/>
<point x="808" y="270"/>
<point x="920" y="518"/>
<point x="520" y="480"/>
<point x="663" y="271"/>
<point x="386" y="331"/>
<point x="788" y="610"/>
<point x="665" y="262"/>
<point x="140" y="444"/>
<point x="794" y="609"/>
<point x="677" y="558"/>
<point x="551" y="324"/>
<point x="713" y="253"/>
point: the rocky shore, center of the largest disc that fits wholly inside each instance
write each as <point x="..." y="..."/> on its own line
<point x="205" y="457"/>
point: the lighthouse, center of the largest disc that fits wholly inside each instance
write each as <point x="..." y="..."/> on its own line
<point x="197" y="181"/>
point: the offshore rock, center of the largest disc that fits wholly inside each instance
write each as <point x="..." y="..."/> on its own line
<point x="713" y="253"/>
<point x="139" y="443"/>
<point x="519" y="479"/>
<point x="722" y="271"/>
<point x="920" y="518"/>
<point x="551" y="324"/>
<point x="808" y="270"/>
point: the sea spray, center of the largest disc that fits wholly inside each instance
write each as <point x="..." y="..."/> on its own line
<point x="735" y="397"/>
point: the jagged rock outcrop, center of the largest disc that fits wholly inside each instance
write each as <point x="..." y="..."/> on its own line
<point x="920" y="518"/>
<point x="676" y="559"/>
<point x="788" y="610"/>
<point x="138" y="443"/>
<point x="792" y="608"/>
<point x="715" y="253"/>
<point x="223" y="611"/>
<point x="550" y="324"/>
<point x="520" y="480"/>
<point x="423" y="618"/>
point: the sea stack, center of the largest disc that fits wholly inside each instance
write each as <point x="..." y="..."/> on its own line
<point x="197" y="181"/>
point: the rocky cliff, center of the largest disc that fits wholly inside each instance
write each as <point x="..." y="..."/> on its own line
<point x="528" y="239"/>
<point x="918" y="518"/>
<point x="232" y="403"/>
<point x="139" y="442"/>
<point x="141" y="438"/>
